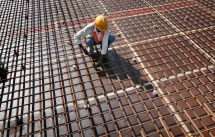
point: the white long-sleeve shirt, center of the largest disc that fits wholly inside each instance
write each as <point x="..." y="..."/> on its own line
<point x="87" y="31"/>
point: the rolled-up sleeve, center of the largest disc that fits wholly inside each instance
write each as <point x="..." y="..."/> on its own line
<point x="82" y="33"/>
<point x="105" y="42"/>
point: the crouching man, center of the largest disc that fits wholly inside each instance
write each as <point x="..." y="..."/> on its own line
<point x="97" y="32"/>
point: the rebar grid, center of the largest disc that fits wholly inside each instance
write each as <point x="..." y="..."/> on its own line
<point x="53" y="89"/>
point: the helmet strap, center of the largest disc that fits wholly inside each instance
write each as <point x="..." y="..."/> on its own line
<point x="98" y="30"/>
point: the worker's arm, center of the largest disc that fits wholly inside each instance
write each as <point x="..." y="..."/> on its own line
<point x="105" y="42"/>
<point x="82" y="33"/>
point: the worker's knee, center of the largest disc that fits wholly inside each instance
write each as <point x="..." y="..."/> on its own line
<point x="89" y="41"/>
<point x="111" y="39"/>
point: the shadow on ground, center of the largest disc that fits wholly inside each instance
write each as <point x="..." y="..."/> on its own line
<point x="118" y="68"/>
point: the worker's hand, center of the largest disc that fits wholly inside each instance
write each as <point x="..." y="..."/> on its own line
<point x="86" y="52"/>
<point x="99" y="63"/>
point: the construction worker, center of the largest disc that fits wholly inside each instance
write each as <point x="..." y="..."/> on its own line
<point x="97" y="33"/>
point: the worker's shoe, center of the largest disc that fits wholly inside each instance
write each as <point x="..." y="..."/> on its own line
<point x="91" y="52"/>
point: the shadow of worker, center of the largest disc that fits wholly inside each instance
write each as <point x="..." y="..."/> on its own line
<point x="118" y="68"/>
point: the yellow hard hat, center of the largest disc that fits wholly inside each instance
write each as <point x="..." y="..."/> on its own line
<point x="101" y="23"/>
